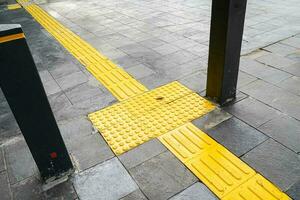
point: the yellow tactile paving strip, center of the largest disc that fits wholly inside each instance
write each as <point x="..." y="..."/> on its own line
<point x="225" y="174"/>
<point x="13" y="6"/>
<point x="130" y="123"/>
<point x="114" y="78"/>
<point x="164" y="112"/>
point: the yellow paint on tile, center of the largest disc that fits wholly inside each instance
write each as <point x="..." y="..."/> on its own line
<point x="114" y="78"/>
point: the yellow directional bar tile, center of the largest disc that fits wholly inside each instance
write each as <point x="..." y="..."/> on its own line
<point x="220" y="170"/>
<point x="187" y="142"/>
<point x="13" y="6"/>
<point x="129" y="123"/>
<point x="257" y="188"/>
<point x="115" y="79"/>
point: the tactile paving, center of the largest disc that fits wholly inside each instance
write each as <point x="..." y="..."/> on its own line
<point x="13" y="6"/>
<point x="115" y="79"/>
<point x="187" y="141"/>
<point x="129" y="123"/>
<point x="257" y="188"/>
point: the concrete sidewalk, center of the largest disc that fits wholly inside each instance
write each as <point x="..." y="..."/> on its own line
<point x="158" y="42"/>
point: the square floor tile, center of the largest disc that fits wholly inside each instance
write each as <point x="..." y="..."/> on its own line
<point x="275" y="162"/>
<point x="107" y="181"/>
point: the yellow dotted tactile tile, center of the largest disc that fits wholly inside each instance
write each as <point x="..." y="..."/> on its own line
<point x="115" y="79"/>
<point x="222" y="172"/>
<point x="257" y="188"/>
<point x="130" y="123"/>
<point x="13" y="6"/>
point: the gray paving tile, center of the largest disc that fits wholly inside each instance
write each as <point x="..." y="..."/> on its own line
<point x="152" y="43"/>
<point x="29" y="189"/>
<point x="276" y="163"/>
<point x="90" y="150"/>
<point x="285" y="130"/>
<point x="157" y="181"/>
<point x="195" y="82"/>
<point x="45" y="76"/>
<point x="275" y="61"/>
<point x="4" y="187"/>
<point x="63" y="69"/>
<point x="212" y="119"/>
<point x="140" y="71"/>
<point x="252" y="111"/>
<point x="142" y="153"/>
<point x="136" y="195"/>
<point x="195" y="192"/>
<point x="166" y="49"/>
<point x="280" y="49"/>
<point x="294" y="191"/>
<point x="244" y="79"/>
<point x="110" y="178"/>
<point x="9" y="126"/>
<point x="294" y="56"/>
<point x="58" y="101"/>
<point x="2" y="164"/>
<point x="262" y="71"/>
<point x="84" y="91"/>
<point x="71" y="80"/>
<point x="19" y="161"/>
<point x="62" y="191"/>
<point x="180" y="57"/>
<point x="292" y="41"/>
<point x="51" y="87"/>
<point x="293" y="69"/>
<point x="237" y="136"/>
<point x="276" y="97"/>
<point x="291" y="84"/>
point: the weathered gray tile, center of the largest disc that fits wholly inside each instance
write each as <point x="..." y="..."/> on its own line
<point x="45" y="76"/>
<point x="19" y="161"/>
<point x="196" y="191"/>
<point x="276" y="97"/>
<point x="166" y="49"/>
<point x="2" y="164"/>
<point x="142" y="153"/>
<point x="252" y="111"/>
<point x="9" y="126"/>
<point x="262" y="71"/>
<point x="140" y="71"/>
<point x="63" y="69"/>
<point x="83" y="92"/>
<point x="29" y="189"/>
<point x="293" y="69"/>
<point x="292" y="41"/>
<point x="211" y="119"/>
<point x="244" y="79"/>
<point x="275" y="162"/>
<point x="152" y="43"/>
<point x="58" y="102"/>
<point x="280" y="49"/>
<point x="285" y="130"/>
<point x="237" y="136"/>
<point x="72" y="80"/>
<point x="106" y="181"/>
<point x="90" y="150"/>
<point x="275" y="61"/>
<point x="62" y="191"/>
<point x="136" y="195"/>
<point x="51" y="87"/>
<point x="291" y="84"/>
<point x="294" y="190"/>
<point x="157" y="181"/>
<point x="4" y="187"/>
<point x="195" y="82"/>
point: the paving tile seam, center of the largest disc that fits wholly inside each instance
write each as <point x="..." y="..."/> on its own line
<point x="115" y="79"/>
<point x="247" y="184"/>
<point x="209" y="154"/>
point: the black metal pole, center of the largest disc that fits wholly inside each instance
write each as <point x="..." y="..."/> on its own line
<point x="226" y="33"/>
<point x="23" y="89"/>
